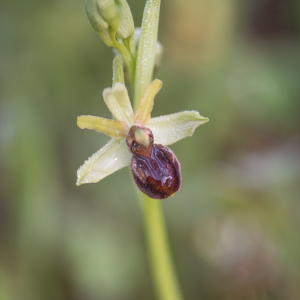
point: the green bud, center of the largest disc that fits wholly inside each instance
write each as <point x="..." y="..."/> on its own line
<point x="108" y="11"/>
<point x="126" y="25"/>
<point x="94" y="16"/>
<point x="110" y="15"/>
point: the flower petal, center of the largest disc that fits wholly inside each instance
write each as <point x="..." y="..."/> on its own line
<point x="170" y="129"/>
<point x="143" y="112"/>
<point x="121" y="94"/>
<point x="117" y="101"/>
<point x="112" y="128"/>
<point x="109" y="159"/>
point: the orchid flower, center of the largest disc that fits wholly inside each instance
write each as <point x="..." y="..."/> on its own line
<point x="133" y="136"/>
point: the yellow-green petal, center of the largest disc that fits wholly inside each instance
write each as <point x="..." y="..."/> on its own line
<point x="112" y="128"/>
<point x="170" y="129"/>
<point x="117" y="101"/>
<point x="121" y="94"/>
<point x="143" y="112"/>
<point x="109" y="159"/>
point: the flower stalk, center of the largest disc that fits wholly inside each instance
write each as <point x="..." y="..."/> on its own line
<point x="118" y="73"/>
<point x="163" y="273"/>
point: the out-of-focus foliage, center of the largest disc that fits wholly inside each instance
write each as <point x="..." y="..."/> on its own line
<point x="234" y="225"/>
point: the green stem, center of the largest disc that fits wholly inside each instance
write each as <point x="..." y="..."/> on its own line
<point x="164" y="277"/>
<point x="118" y="73"/>
<point x="127" y="57"/>
<point x="161" y="265"/>
<point x="110" y="40"/>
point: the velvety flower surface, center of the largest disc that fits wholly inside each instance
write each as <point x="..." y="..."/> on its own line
<point x="115" y="154"/>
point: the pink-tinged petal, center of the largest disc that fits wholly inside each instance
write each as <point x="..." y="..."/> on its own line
<point x="112" y="128"/>
<point x="170" y="129"/>
<point x="109" y="159"/>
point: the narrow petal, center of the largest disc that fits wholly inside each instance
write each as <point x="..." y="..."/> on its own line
<point x="112" y="128"/>
<point x="118" y="103"/>
<point x="109" y="159"/>
<point x="121" y="94"/>
<point x="143" y="112"/>
<point x="170" y="129"/>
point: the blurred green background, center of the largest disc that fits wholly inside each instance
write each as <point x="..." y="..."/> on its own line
<point x="234" y="225"/>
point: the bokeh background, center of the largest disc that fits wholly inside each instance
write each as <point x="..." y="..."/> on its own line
<point x="233" y="226"/>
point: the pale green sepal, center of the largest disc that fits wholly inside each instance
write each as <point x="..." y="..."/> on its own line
<point x="159" y="49"/>
<point x="94" y="16"/>
<point x="118" y="103"/>
<point x="146" y="49"/>
<point x="109" y="12"/>
<point x="109" y="159"/>
<point x="112" y="128"/>
<point x="170" y="129"/>
<point x="143" y="112"/>
<point x="126" y="25"/>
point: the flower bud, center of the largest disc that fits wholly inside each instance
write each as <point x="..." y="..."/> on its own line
<point x="126" y="25"/>
<point x="95" y="16"/>
<point x="112" y="15"/>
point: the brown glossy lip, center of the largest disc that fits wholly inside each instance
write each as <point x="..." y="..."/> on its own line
<point x="158" y="176"/>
